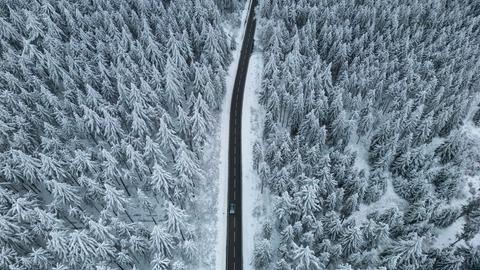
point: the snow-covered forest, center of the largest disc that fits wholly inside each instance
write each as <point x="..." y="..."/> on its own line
<point x="371" y="146"/>
<point x="106" y="108"/>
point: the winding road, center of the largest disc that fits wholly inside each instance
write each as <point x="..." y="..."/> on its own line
<point x="234" y="218"/>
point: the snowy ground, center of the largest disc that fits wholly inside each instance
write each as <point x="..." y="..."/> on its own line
<point x="388" y="200"/>
<point x="222" y="141"/>
<point x="444" y="237"/>
<point x="448" y="235"/>
<point x="254" y="202"/>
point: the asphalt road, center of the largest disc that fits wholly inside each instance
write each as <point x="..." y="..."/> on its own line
<point x="234" y="221"/>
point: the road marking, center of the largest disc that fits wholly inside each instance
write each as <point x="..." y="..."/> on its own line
<point x="239" y="86"/>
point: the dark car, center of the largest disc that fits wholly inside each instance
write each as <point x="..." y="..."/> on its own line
<point x="231" y="209"/>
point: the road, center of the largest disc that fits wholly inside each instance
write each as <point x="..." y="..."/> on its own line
<point x="234" y="221"/>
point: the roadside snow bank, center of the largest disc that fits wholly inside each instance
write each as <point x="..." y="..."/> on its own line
<point x="252" y="127"/>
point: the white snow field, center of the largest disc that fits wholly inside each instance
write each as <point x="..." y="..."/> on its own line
<point x="252" y="128"/>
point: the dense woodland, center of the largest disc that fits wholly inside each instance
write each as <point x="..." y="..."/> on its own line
<point x="367" y="148"/>
<point x="105" y="109"/>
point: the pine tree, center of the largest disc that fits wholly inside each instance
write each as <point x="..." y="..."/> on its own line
<point x="284" y="207"/>
<point x="167" y="138"/>
<point x="262" y="254"/>
<point x="470" y="256"/>
<point x="152" y="153"/>
<point x="332" y="225"/>
<point x="308" y="200"/>
<point x="186" y="163"/>
<point x="377" y="184"/>
<point x="444" y="216"/>
<point x="64" y="194"/>
<point x="81" y="248"/>
<point x="476" y="118"/>
<point x="472" y="221"/>
<point x="176" y="219"/>
<point x="199" y="128"/>
<point x="183" y="123"/>
<point x="189" y="250"/>
<point x="159" y="262"/>
<point x="452" y="147"/>
<point x="173" y="85"/>
<point x="112" y="130"/>
<point x="306" y="259"/>
<point x="446" y="260"/>
<point x="352" y="240"/>
<point x="161" y="241"/>
<point x="115" y="200"/>
<point x="407" y="252"/>
<point x="58" y="243"/>
<point x="161" y="180"/>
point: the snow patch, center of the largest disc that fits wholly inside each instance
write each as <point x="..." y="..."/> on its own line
<point x="361" y="160"/>
<point x="389" y="199"/>
<point x="448" y="235"/>
<point x="253" y="202"/>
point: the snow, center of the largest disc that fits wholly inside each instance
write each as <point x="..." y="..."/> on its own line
<point x="444" y="236"/>
<point x="202" y="213"/>
<point x="448" y="235"/>
<point x="388" y="200"/>
<point x="361" y="160"/>
<point x="253" y="202"/>
<point x="221" y="225"/>
<point x="257" y="206"/>
<point x="475" y="241"/>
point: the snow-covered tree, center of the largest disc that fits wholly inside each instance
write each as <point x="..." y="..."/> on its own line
<point x="161" y="241"/>
<point x="262" y="254"/>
